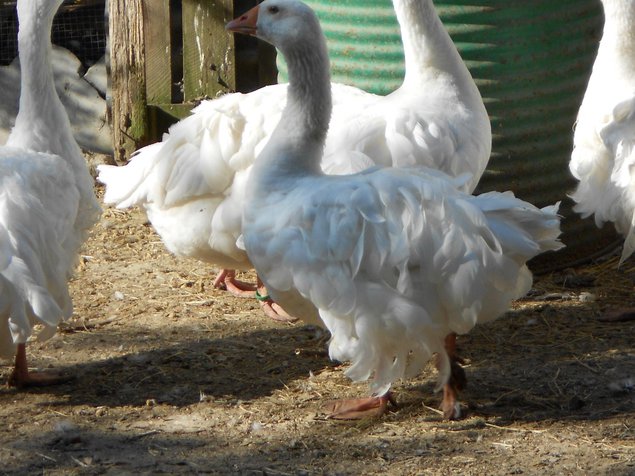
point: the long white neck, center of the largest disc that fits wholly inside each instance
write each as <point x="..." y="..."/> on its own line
<point x="428" y="49"/>
<point x="303" y="126"/>
<point x="618" y="39"/>
<point x="42" y="124"/>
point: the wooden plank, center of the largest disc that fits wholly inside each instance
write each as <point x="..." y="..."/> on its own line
<point x="208" y="50"/>
<point x="158" y="51"/>
<point x="162" y="116"/>
<point x="127" y="77"/>
<point x="177" y="111"/>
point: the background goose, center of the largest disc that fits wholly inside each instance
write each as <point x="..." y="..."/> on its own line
<point x="192" y="184"/>
<point x="396" y="260"/>
<point x="604" y="140"/>
<point x="47" y="203"/>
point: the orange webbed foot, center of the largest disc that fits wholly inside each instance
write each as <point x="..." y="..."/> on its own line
<point x="358" y="408"/>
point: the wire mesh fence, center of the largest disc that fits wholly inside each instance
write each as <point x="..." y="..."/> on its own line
<point x="79" y="27"/>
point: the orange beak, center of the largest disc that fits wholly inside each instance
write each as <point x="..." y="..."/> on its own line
<point x="245" y="24"/>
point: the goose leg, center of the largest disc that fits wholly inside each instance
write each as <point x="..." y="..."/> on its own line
<point x="22" y="378"/>
<point x="271" y="309"/>
<point x="357" y="408"/>
<point x="457" y="382"/>
<point x="226" y="280"/>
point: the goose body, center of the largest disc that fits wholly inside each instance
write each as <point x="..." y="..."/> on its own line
<point x="192" y="184"/>
<point x="603" y="156"/>
<point x="395" y="260"/>
<point x="47" y="203"/>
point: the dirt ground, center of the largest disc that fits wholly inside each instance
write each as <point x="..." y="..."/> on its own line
<point x="174" y="377"/>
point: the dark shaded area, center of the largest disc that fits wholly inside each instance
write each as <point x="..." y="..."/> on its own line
<point x="246" y="366"/>
<point x="255" y="59"/>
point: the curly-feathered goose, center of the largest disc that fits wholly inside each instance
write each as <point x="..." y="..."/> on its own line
<point x="395" y="260"/>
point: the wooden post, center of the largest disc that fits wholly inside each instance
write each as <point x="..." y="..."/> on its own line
<point x="158" y="51"/>
<point x="127" y="76"/>
<point x="208" y="50"/>
<point x="146" y="71"/>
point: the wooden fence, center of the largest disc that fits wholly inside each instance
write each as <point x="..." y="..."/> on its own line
<point x="168" y="55"/>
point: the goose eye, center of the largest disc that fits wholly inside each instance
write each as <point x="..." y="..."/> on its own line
<point x="273" y="9"/>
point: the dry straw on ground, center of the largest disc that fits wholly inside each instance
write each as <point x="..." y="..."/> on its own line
<point x="174" y="377"/>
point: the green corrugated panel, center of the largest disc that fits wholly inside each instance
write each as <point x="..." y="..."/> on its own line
<point x="531" y="60"/>
<point x="364" y="43"/>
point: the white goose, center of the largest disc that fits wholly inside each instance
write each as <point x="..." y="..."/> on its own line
<point x="604" y="141"/>
<point x="192" y="184"/>
<point x="396" y="260"/>
<point x="47" y="203"/>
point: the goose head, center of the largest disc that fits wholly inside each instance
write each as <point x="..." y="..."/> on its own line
<point x="283" y="23"/>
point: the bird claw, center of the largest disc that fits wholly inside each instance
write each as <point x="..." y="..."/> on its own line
<point x="450" y="405"/>
<point x="451" y="410"/>
<point x="274" y="311"/>
<point x="37" y="379"/>
<point x="226" y="280"/>
<point x="358" y="408"/>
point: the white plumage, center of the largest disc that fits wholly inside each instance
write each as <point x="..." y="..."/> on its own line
<point x="47" y="203"/>
<point x="394" y="259"/>
<point x="603" y="157"/>
<point x="192" y="184"/>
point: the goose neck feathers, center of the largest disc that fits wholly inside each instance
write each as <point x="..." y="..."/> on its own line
<point x="428" y="49"/>
<point x="295" y="30"/>
<point x="619" y="29"/>
<point x="622" y="11"/>
<point x="36" y="15"/>
<point x="308" y="109"/>
<point x="42" y="123"/>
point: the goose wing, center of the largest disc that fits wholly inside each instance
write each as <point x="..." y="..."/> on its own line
<point x="39" y="204"/>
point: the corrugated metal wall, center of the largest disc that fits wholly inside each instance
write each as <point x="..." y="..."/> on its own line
<point x="364" y="43"/>
<point x="531" y="60"/>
